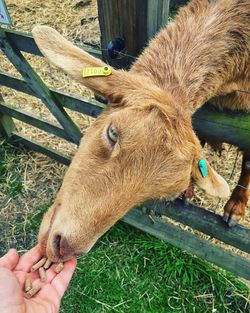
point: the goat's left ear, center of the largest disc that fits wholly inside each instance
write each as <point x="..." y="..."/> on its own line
<point x="73" y="60"/>
<point x="207" y="179"/>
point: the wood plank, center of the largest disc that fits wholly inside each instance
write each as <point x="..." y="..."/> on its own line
<point x="7" y="125"/>
<point x="25" y="42"/>
<point x="19" y="139"/>
<point x="135" y="21"/>
<point x="204" y="221"/>
<point x="79" y="104"/>
<point x="157" y="12"/>
<point x="97" y="53"/>
<point x="33" y="120"/>
<point x="37" y="85"/>
<point x="13" y="82"/>
<point x="174" y="4"/>
<point x="74" y="103"/>
<point x="190" y="243"/>
<point x="224" y="126"/>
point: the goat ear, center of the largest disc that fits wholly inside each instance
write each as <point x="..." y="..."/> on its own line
<point x="210" y="181"/>
<point x="72" y="59"/>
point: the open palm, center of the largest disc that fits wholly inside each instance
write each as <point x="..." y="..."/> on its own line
<point x="13" y="272"/>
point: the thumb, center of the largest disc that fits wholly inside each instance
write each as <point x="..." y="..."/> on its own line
<point x="10" y="292"/>
<point x="10" y="259"/>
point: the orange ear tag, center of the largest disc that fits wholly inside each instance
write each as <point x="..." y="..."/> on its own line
<point x="96" y="71"/>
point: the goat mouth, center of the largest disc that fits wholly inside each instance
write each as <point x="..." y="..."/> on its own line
<point x="59" y="258"/>
<point x="43" y="244"/>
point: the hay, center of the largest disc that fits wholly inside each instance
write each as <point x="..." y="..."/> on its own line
<point x="42" y="176"/>
<point x="64" y="16"/>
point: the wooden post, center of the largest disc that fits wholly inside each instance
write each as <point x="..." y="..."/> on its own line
<point x="134" y="20"/>
<point x="7" y="125"/>
<point x="174" y="4"/>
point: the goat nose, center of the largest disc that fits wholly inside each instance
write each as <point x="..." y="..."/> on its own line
<point x="62" y="247"/>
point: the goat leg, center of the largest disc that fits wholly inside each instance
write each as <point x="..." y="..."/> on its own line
<point x="234" y="209"/>
<point x="188" y="194"/>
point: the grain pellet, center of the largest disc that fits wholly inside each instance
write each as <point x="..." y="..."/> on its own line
<point x="28" y="284"/>
<point x="47" y="264"/>
<point x="38" y="265"/>
<point x="59" y="268"/>
<point x="32" y="291"/>
<point x="42" y="274"/>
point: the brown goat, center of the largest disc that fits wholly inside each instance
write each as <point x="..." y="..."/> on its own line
<point x="143" y="146"/>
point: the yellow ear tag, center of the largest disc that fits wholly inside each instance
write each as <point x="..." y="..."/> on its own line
<point x="96" y="71"/>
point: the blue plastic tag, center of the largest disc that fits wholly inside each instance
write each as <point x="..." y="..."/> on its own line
<point x="203" y="168"/>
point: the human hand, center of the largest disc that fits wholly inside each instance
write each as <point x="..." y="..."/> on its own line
<point x="14" y="270"/>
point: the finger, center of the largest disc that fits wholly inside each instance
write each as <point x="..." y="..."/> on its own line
<point x="28" y="259"/>
<point x="61" y="281"/>
<point x="49" y="295"/>
<point x="10" y="291"/>
<point x="10" y="259"/>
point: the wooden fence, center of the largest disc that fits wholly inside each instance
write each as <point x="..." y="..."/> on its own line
<point x="208" y="122"/>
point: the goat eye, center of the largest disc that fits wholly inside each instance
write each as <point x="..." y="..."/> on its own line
<point x="112" y="134"/>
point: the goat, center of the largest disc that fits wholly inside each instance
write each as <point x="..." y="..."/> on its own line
<point x="142" y="146"/>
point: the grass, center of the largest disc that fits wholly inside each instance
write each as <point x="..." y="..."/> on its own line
<point x="10" y="177"/>
<point x="127" y="270"/>
<point x="131" y="271"/>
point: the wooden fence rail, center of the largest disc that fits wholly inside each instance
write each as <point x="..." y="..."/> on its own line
<point x="234" y="129"/>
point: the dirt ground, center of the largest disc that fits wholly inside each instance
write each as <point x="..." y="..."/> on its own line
<point x="42" y="176"/>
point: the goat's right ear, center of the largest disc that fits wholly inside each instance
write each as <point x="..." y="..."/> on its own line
<point x="73" y="60"/>
<point x="213" y="184"/>
<point x="205" y="176"/>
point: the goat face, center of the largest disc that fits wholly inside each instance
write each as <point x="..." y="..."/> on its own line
<point x="141" y="147"/>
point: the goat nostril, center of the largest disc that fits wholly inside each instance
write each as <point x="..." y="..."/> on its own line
<point x="57" y="243"/>
<point x="61" y="246"/>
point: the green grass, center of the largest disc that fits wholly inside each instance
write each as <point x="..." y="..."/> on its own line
<point x="130" y="271"/>
<point x="10" y="177"/>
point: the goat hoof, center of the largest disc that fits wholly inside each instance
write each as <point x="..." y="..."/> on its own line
<point x="225" y="217"/>
<point x="234" y="211"/>
<point x="231" y="220"/>
<point x="186" y="202"/>
<point x="234" y="220"/>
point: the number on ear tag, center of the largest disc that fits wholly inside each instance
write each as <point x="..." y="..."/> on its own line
<point x="203" y="168"/>
<point x="96" y="71"/>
